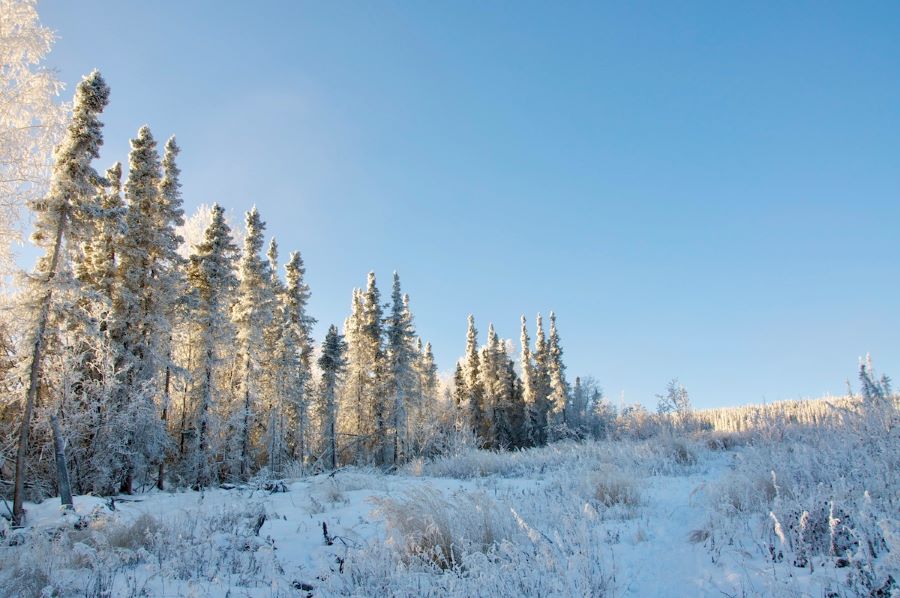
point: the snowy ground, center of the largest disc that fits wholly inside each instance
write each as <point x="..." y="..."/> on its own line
<point x="619" y="519"/>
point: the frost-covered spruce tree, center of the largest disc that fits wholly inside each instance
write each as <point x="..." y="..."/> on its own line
<point x="298" y="347"/>
<point x="559" y="398"/>
<point x="425" y="408"/>
<point x="168" y="274"/>
<point x="359" y="381"/>
<point x="559" y="388"/>
<point x="91" y="401"/>
<point x="331" y="363"/>
<point x="63" y="215"/>
<point x="133" y="319"/>
<point x="251" y="315"/>
<point x="474" y="387"/>
<point x="211" y="281"/>
<point x="284" y="366"/>
<point x="380" y="447"/>
<point x="138" y="318"/>
<point x="460" y="394"/>
<point x="502" y="395"/>
<point x="490" y="367"/>
<point x="408" y="382"/>
<point x="577" y="417"/>
<point x="428" y="379"/>
<point x="541" y="383"/>
<point x="401" y="369"/>
<point x="513" y="407"/>
<point x="531" y="423"/>
<point x="274" y="363"/>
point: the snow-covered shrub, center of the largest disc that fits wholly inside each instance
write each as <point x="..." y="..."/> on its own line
<point x="719" y="440"/>
<point x="680" y="452"/>
<point x="744" y="492"/>
<point x="423" y="525"/>
<point x="614" y="488"/>
<point x="135" y="535"/>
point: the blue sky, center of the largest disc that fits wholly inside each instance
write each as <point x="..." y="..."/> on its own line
<point x="706" y="190"/>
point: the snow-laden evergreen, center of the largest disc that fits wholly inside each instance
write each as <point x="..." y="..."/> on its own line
<point x="62" y="216"/>
<point x="331" y="364"/>
<point x="252" y="315"/>
<point x="402" y="379"/>
<point x="212" y="283"/>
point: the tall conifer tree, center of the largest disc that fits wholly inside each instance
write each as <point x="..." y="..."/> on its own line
<point x="251" y="315"/>
<point x="212" y="282"/>
<point x="474" y="387"/>
<point x="60" y="216"/>
<point x="331" y="363"/>
<point x="298" y="347"/>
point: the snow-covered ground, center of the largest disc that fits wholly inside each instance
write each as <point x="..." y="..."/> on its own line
<point x="627" y="518"/>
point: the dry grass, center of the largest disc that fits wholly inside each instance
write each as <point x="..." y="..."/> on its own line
<point x="614" y="488"/>
<point x="423" y="525"/>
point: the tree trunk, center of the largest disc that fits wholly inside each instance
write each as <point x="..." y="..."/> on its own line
<point x="245" y="431"/>
<point x="206" y="399"/>
<point x="160" y="480"/>
<point x="184" y="401"/>
<point x="37" y="354"/>
<point x="62" y="472"/>
<point x="332" y="427"/>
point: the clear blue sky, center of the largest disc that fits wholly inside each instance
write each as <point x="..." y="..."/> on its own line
<point x="703" y="190"/>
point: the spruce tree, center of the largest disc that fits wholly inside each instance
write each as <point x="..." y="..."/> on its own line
<point x="359" y="378"/>
<point x="514" y="407"/>
<point x="372" y="333"/>
<point x="145" y="290"/>
<point x="212" y="281"/>
<point x="531" y="423"/>
<point x="133" y="318"/>
<point x="460" y="394"/>
<point x="61" y="216"/>
<point x="578" y="406"/>
<point x="559" y="388"/>
<point x="474" y="388"/>
<point x="331" y="363"/>
<point x="275" y="362"/>
<point x="491" y="366"/>
<point x="91" y="398"/>
<point x="541" y="383"/>
<point x="251" y="315"/>
<point x="298" y="348"/>
<point x="428" y="375"/>
<point x="401" y="381"/>
<point x="168" y="274"/>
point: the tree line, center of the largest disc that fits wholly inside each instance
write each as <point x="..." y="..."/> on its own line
<point x="154" y="364"/>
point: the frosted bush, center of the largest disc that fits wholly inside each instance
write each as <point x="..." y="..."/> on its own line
<point x="424" y="526"/>
<point x="613" y="488"/>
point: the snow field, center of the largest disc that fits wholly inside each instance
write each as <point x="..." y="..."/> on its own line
<point x="660" y="517"/>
